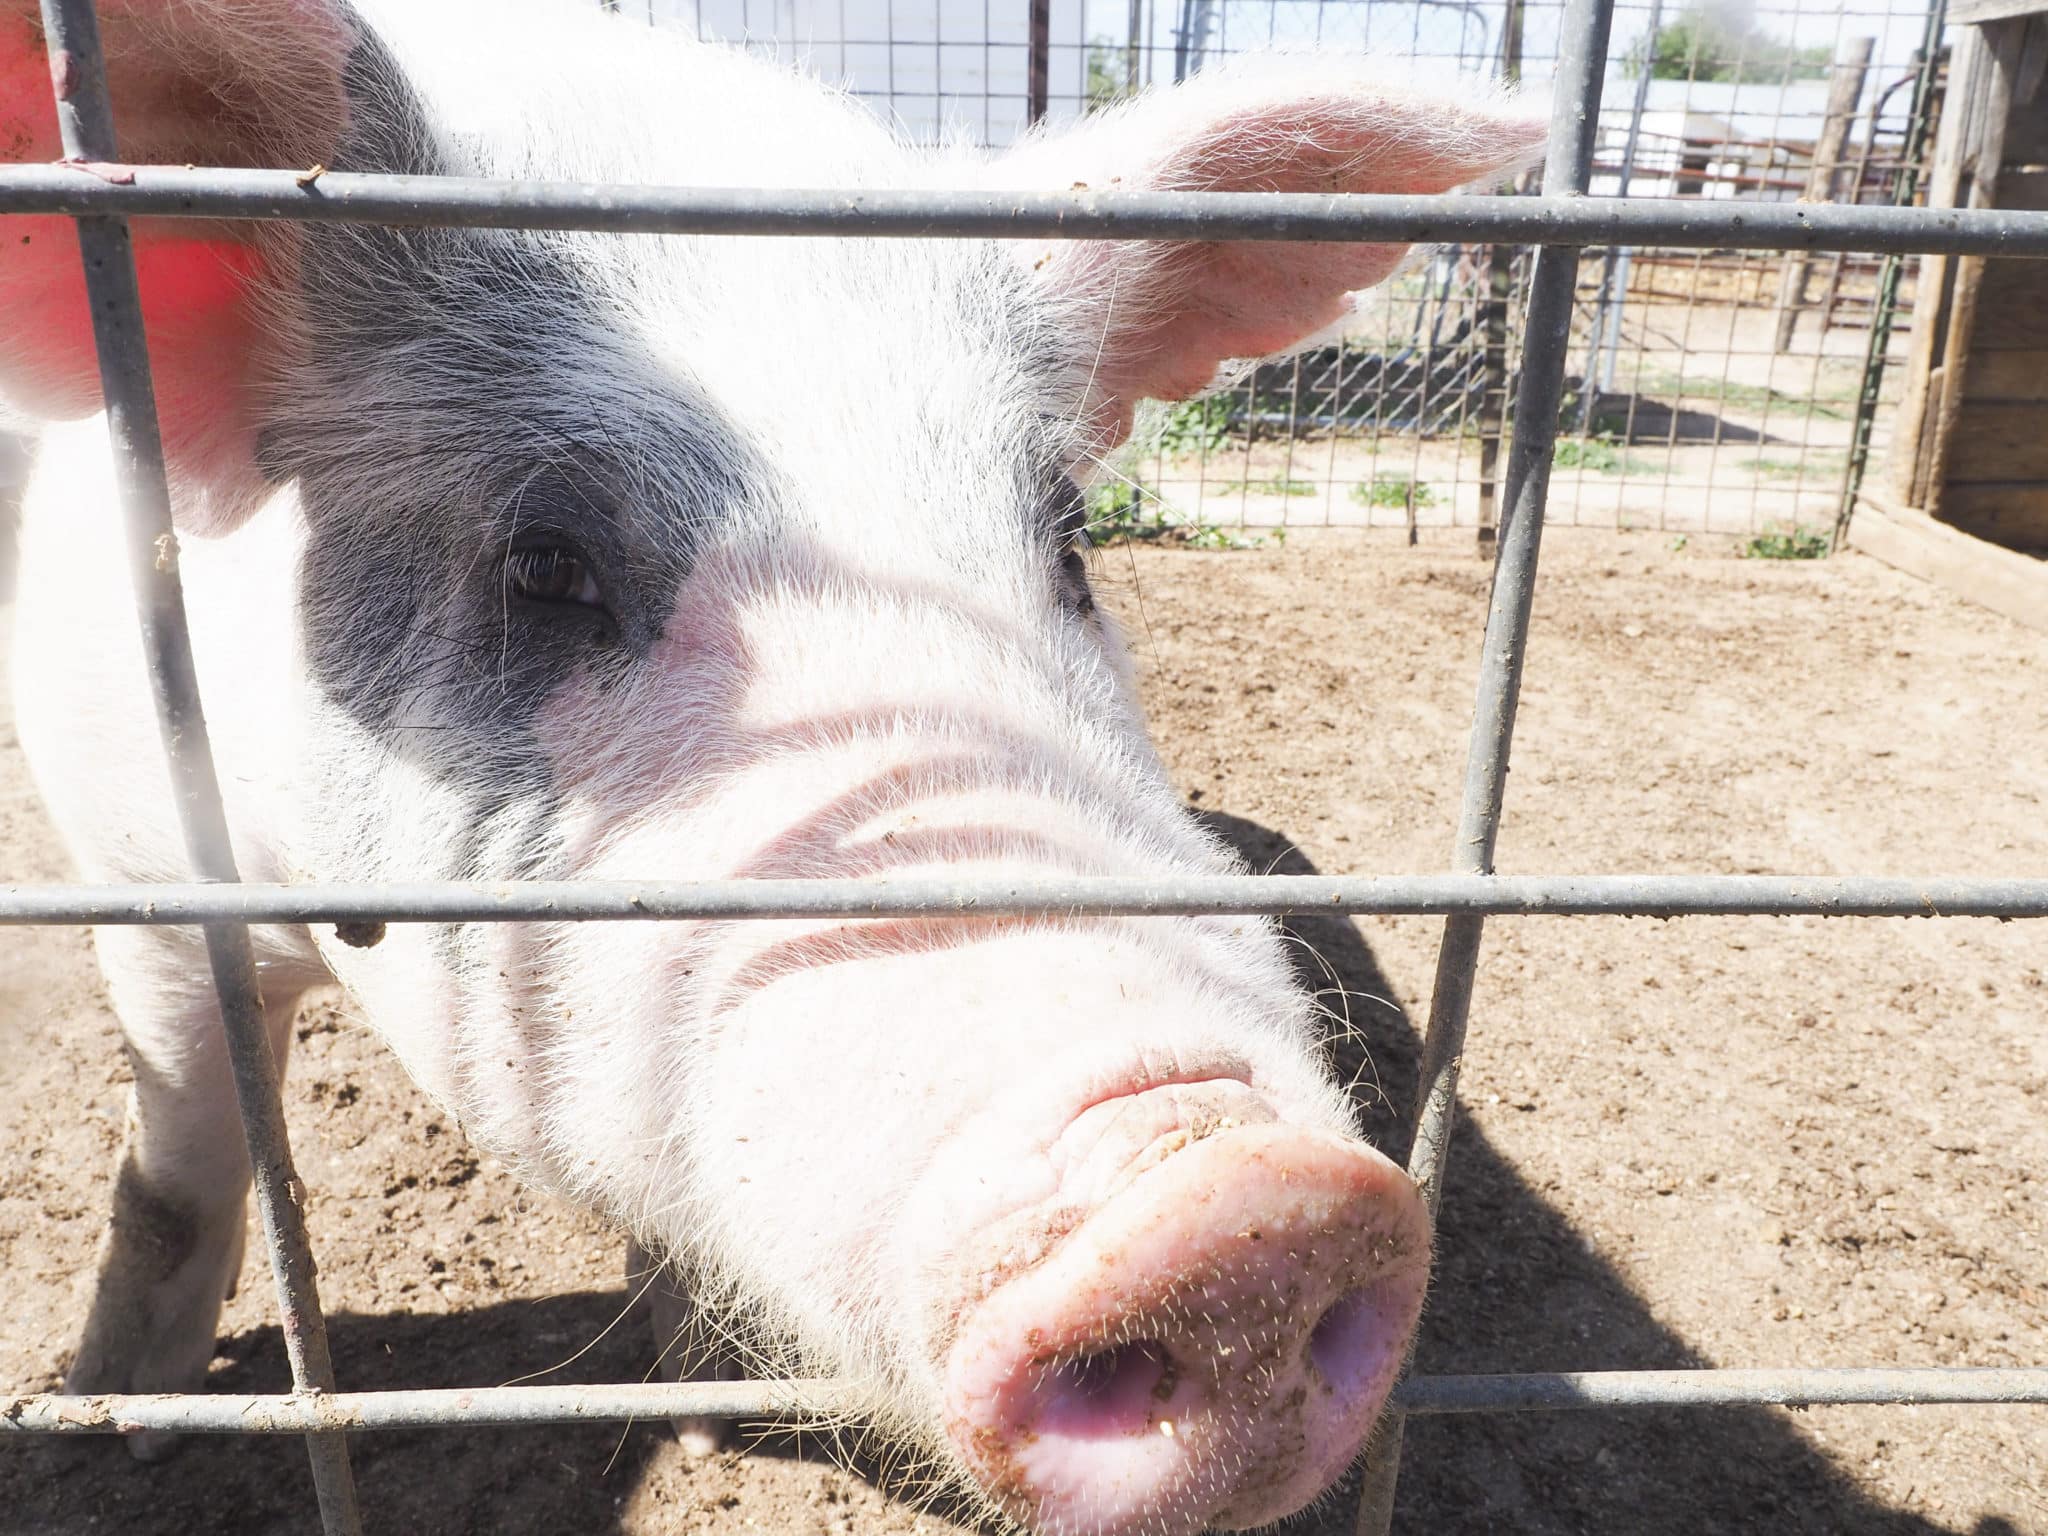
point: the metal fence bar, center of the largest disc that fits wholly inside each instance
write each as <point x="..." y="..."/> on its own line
<point x="1539" y="395"/>
<point x="1719" y="1389"/>
<point x="453" y="1408"/>
<point x="1658" y="896"/>
<point x="85" y="118"/>
<point x="87" y="190"/>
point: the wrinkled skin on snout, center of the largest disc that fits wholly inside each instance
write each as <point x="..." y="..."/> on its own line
<point x="570" y="556"/>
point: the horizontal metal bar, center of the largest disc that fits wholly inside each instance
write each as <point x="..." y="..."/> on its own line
<point x="300" y="1413"/>
<point x="1095" y="896"/>
<point x="180" y="192"/>
<point x="286" y="1413"/>
<point x="1719" y="1389"/>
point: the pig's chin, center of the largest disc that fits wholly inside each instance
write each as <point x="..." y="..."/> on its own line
<point x="1205" y="1343"/>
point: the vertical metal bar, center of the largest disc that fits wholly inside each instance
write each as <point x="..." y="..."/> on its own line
<point x="85" y="119"/>
<point x="1041" y="60"/>
<point x="1493" y="326"/>
<point x="1574" y="126"/>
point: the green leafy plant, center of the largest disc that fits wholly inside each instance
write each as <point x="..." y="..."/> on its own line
<point x="1108" y="73"/>
<point x="1393" y="490"/>
<point x="1117" y="512"/>
<point x="1595" y="453"/>
<point x="1195" y="426"/>
<point x="1796" y="543"/>
<point x="1125" y="512"/>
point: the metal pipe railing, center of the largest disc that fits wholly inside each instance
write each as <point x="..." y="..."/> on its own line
<point x="455" y="1408"/>
<point x="88" y="190"/>
<point x="1474" y="894"/>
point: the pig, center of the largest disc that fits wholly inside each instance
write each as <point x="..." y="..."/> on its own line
<point x="520" y="555"/>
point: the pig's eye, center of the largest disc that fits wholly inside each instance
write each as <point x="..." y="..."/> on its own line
<point x="1074" y="573"/>
<point x="552" y="573"/>
<point x="1070" y="533"/>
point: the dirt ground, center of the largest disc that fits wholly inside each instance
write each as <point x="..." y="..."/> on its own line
<point x="1727" y="1142"/>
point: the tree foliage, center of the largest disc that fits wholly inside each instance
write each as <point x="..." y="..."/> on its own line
<point x="1710" y="43"/>
<point x="1107" y="80"/>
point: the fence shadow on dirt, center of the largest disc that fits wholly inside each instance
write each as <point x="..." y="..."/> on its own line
<point x="1650" y="421"/>
<point x="1517" y="1290"/>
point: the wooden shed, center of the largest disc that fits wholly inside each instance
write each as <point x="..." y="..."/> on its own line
<point x="1963" y="497"/>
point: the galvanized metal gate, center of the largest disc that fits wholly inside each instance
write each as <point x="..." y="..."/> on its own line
<point x="1562" y="222"/>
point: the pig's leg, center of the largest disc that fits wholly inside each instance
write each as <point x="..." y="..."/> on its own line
<point x="685" y="1353"/>
<point x="173" y="1248"/>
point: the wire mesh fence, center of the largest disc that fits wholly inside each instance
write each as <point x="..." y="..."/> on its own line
<point x="1712" y="391"/>
<point x="1550" y="421"/>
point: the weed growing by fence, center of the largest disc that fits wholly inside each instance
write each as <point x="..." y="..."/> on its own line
<point x="1595" y="453"/>
<point x="1125" y="512"/>
<point x="1393" y="490"/>
<point x="1799" y="542"/>
<point x="1195" y="426"/>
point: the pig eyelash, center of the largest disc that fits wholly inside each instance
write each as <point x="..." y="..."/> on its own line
<point x="556" y="575"/>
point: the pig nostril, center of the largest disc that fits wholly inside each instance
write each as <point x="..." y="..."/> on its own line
<point x="1109" y="1392"/>
<point x="1353" y="1343"/>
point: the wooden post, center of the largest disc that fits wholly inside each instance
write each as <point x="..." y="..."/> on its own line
<point x="1905" y="472"/>
<point x="1041" y="55"/>
<point x="1845" y="89"/>
<point x="1859" y="173"/>
<point x="2002" y="44"/>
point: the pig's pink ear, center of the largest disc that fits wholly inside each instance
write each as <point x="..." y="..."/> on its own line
<point x="205" y="82"/>
<point x="1157" y="320"/>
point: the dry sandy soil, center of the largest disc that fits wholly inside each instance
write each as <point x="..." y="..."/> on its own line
<point x="1724" y="1142"/>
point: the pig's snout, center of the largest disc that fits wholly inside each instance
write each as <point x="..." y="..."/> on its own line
<point x="1208" y="1346"/>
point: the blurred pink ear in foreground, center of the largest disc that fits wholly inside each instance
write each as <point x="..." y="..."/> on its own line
<point x="207" y="82"/>
<point x="1161" y="318"/>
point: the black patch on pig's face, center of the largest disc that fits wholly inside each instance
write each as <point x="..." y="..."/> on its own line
<point x="459" y="422"/>
<point x="457" y="392"/>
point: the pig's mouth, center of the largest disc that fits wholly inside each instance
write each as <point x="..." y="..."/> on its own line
<point x="1208" y="1344"/>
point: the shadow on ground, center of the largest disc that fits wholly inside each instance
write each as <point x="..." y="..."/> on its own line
<point x="1515" y="1290"/>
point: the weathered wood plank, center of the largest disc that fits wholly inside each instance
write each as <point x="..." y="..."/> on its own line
<point x="2008" y="376"/>
<point x="1906" y="467"/>
<point x="2015" y="516"/>
<point x="1996" y="440"/>
<point x="2024" y="188"/>
<point x="2012" y="584"/>
<point x="1973" y="12"/>
<point x="2003" y="42"/>
<point x="2013" y="301"/>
